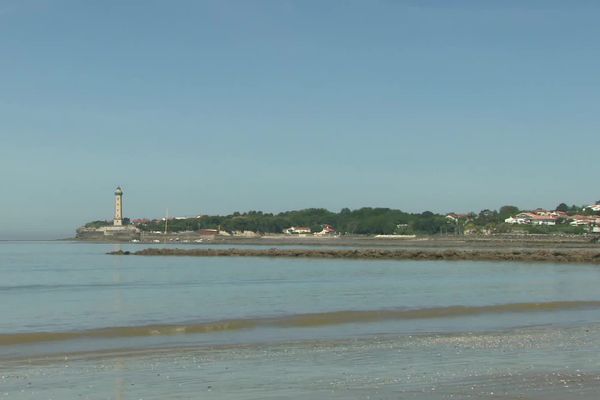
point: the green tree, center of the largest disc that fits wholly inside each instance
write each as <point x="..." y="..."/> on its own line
<point x="486" y="217"/>
<point x="562" y="207"/>
<point x="508" y="211"/>
<point x="97" y="224"/>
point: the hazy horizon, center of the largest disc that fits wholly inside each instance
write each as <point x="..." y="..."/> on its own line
<point x="213" y="107"/>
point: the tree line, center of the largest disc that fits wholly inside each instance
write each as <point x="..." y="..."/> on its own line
<point x="362" y="221"/>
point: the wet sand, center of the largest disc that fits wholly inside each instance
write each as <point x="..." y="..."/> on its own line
<point x="534" y="363"/>
<point x="577" y="255"/>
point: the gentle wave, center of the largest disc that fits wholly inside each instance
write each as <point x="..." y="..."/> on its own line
<point x="86" y="286"/>
<point x="294" y="321"/>
<point x="60" y="286"/>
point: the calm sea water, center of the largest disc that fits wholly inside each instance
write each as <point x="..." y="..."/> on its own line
<point x="116" y="327"/>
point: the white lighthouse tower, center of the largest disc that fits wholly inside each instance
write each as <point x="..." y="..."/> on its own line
<point x="118" y="221"/>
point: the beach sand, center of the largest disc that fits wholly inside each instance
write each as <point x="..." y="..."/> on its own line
<point x="533" y="363"/>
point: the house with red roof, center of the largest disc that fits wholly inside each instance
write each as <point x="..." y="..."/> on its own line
<point x="327" y="230"/>
<point x="532" y="218"/>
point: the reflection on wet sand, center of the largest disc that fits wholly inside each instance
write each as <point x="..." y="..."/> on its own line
<point x="295" y="321"/>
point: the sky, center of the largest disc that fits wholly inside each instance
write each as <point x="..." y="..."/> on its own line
<point x="210" y="107"/>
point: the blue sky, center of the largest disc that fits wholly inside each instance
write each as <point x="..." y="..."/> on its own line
<point x="218" y="106"/>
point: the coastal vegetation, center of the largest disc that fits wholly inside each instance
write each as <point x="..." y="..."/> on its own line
<point x="97" y="224"/>
<point x="365" y="221"/>
<point x="102" y="223"/>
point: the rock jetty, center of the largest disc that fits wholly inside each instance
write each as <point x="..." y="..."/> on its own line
<point x="538" y="255"/>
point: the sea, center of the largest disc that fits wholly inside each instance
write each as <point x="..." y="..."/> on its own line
<point x="77" y="323"/>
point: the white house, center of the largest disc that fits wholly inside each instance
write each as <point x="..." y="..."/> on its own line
<point x="582" y="220"/>
<point x="595" y="207"/>
<point x="327" y="230"/>
<point x="515" y="220"/>
<point x="296" y="230"/>
<point x="544" y="220"/>
<point x="520" y="219"/>
<point x="454" y="217"/>
<point x="527" y="218"/>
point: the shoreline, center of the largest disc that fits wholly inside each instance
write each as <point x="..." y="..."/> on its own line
<point x="181" y="349"/>
<point x="575" y="256"/>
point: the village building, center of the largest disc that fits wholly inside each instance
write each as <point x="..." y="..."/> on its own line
<point x="246" y="234"/>
<point x="295" y="230"/>
<point x="531" y="218"/>
<point x="594" y="208"/>
<point x="326" y="231"/>
<point x="584" y="220"/>
<point x="454" y="217"/>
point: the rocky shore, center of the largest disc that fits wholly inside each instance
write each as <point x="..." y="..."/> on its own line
<point x="538" y="255"/>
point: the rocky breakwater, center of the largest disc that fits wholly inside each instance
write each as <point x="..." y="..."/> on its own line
<point x="538" y="255"/>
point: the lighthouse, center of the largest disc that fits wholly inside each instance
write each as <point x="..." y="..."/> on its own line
<point x="118" y="221"/>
